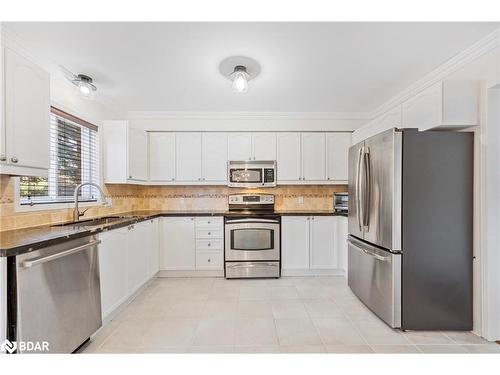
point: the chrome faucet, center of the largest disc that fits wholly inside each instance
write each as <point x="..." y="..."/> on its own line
<point x="76" y="212"/>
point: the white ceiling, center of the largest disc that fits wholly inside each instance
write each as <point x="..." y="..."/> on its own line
<point x="306" y="67"/>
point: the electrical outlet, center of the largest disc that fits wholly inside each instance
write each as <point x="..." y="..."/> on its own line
<point x="300" y="200"/>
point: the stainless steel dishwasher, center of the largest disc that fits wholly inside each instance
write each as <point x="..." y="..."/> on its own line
<point x="58" y="295"/>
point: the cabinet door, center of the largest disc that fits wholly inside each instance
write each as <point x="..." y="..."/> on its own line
<point x="162" y="156"/>
<point x="337" y="151"/>
<point x="188" y="156"/>
<point x="178" y="243"/>
<point x="264" y="146"/>
<point x="288" y="157"/>
<point x="138" y="246"/>
<point x="313" y="156"/>
<point x="240" y="146"/>
<point x="27" y="112"/>
<point x="322" y="253"/>
<point x="295" y="242"/>
<point x="152" y="247"/>
<point x="214" y="157"/>
<point x="113" y="268"/>
<point x="341" y="241"/>
<point x="137" y="154"/>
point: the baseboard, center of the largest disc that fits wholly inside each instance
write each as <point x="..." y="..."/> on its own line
<point x="312" y="272"/>
<point x="191" y="273"/>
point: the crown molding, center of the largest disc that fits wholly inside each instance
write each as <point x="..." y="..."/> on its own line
<point x="161" y="115"/>
<point x="481" y="47"/>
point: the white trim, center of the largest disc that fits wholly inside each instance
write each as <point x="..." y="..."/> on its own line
<point x="475" y="51"/>
<point x="158" y="115"/>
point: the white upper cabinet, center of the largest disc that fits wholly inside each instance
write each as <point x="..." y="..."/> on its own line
<point x="323" y="254"/>
<point x="447" y="104"/>
<point x="125" y="153"/>
<point x="137" y="154"/>
<point x="188" y="157"/>
<point x="337" y="149"/>
<point x="313" y="156"/>
<point x="24" y="142"/>
<point x="289" y="159"/>
<point x="263" y="146"/>
<point x="240" y="146"/>
<point x="162" y="156"/>
<point x="214" y="157"/>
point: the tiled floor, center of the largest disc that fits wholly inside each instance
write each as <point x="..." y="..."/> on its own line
<point x="288" y="315"/>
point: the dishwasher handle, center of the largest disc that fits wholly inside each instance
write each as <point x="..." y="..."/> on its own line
<point x="37" y="261"/>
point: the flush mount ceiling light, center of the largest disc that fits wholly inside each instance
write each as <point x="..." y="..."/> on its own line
<point x="84" y="84"/>
<point x="240" y="70"/>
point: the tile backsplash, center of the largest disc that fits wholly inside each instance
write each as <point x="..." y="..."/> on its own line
<point x="170" y="198"/>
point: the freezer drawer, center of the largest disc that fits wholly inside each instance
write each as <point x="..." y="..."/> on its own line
<point x="237" y="270"/>
<point x="374" y="275"/>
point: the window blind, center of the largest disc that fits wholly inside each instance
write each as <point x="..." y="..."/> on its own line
<point x="73" y="160"/>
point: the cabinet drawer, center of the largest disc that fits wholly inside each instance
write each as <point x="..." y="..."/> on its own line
<point x="209" y="233"/>
<point x="209" y="260"/>
<point x="209" y="222"/>
<point x="213" y="244"/>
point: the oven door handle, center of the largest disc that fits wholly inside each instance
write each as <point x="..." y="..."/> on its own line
<point x="235" y="221"/>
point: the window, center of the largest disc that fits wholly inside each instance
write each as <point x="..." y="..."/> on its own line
<point x="73" y="160"/>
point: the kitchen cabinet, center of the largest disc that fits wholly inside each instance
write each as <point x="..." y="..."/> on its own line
<point x="137" y="154"/>
<point x="162" y="156"/>
<point x="113" y="268"/>
<point x="295" y="242"/>
<point x="177" y="243"/>
<point x="128" y="258"/>
<point x="188" y="157"/>
<point x="289" y="157"/>
<point x="240" y="146"/>
<point x="24" y="131"/>
<point x="341" y="233"/>
<point x="337" y="151"/>
<point x="214" y="157"/>
<point x="125" y="153"/>
<point x="138" y="255"/>
<point x="322" y="250"/>
<point x="309" y="245"/>
<point x="264" y="146"/>
<point x="444" y="105"/>
<point x="252" y="146"/>
<point x="313" y="156"/>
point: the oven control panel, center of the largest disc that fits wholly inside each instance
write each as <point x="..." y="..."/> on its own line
<point x="251" y="199"/>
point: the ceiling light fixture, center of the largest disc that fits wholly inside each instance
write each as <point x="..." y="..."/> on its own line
<point x="240" y="70"/>
<point x="85" y="85"/>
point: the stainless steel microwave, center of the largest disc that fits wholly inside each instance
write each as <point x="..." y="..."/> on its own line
<point x="256" y="173"/>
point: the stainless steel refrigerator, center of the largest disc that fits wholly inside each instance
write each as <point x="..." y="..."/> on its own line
<point x="410" y="228"/>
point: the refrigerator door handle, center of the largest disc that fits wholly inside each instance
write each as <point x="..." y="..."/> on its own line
<point x="367" y="188"/>
<point x="358" y="189"/>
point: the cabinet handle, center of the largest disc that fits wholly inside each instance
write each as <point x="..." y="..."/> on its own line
<point x="328" y="178"/>
<point x="3" y="158"/>
<point x="209" y="222"/>
<point x="173" y="179"/>
<point x="130" y="176"/>
<point x="208" y="260"/>
<point x="13" y="159"/>
<point x="209" y="233"/>
<point x="209" y="244"/>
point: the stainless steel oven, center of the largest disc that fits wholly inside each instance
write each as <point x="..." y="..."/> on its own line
<point x="252" y="237"/>
<point x="251" y="173"/>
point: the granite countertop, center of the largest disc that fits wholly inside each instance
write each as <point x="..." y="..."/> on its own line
<point x="20" y="241"/>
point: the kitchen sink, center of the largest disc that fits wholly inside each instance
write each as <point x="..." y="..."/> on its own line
<point x="102" y="221"/>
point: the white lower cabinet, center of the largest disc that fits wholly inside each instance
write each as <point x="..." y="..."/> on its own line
<point x="190" y="244"/>
<point x="113" y="269"/>
<point x="309" y="245"/>
<point x="341" y="234"/>
<point x="128" y="258"/>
